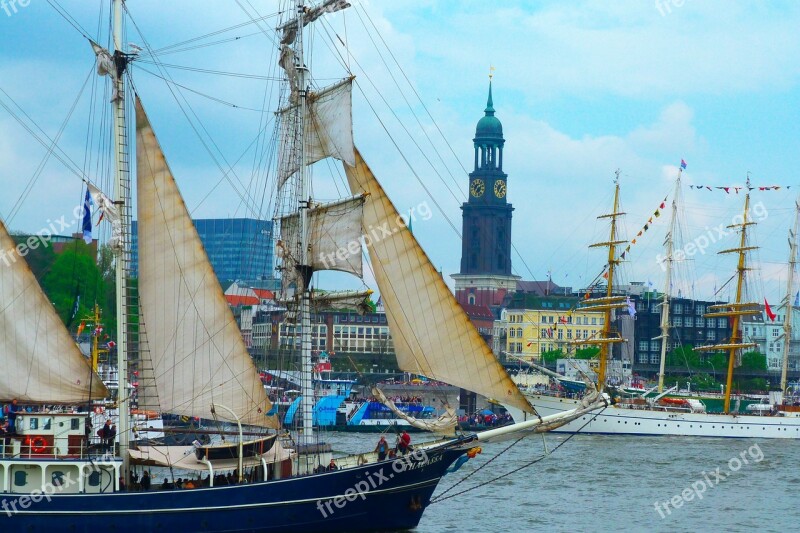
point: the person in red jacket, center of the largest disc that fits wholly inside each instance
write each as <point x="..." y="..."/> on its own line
<point x="403" y="443"/>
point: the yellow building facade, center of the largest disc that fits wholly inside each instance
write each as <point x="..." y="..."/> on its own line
<point x="532" y="332"/>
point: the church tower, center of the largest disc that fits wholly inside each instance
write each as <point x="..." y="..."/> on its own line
<point x="485" y="277"/>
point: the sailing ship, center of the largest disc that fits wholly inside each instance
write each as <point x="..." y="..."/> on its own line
<point x="193" y="361"/>
<point x="662" y="414"/>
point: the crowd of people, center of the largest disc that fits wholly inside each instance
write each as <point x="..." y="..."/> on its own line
<point x="486" y="420"/>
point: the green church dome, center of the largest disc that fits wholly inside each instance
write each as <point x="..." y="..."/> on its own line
<point x="489" y="125"/>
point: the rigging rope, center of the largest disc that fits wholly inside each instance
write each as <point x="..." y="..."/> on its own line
<point x="442" y="496"/>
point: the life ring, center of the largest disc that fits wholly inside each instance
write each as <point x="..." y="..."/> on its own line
<point x="37" y="444"/>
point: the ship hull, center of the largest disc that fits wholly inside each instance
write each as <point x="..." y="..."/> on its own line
<point x="389" y="495"/>
<point x="615" y="420"/>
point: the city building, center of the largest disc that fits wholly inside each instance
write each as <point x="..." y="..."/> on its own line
<point x="485" y="276"/>
<point x="547" y="324"/>
<point x="768" y="334"/>
<point x="687" y="326"/>
<point x="238" y="248"/>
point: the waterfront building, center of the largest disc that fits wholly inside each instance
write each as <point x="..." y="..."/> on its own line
<point x="768" y="334"/>
<point x="547" y="324"/>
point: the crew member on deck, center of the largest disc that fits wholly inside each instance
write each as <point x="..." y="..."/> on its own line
<point x="403" y="443"/>
<point x="382" y="448"/>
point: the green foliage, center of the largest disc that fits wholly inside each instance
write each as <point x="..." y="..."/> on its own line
<point x="551" y="356"/>
<point x="754" y="361"/>
<point x="74" y="271"/>
<point x="587" y="353"/>
<point x="684" y="356"/>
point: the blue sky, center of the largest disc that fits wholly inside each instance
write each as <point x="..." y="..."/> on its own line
<point x="582" y="89"/>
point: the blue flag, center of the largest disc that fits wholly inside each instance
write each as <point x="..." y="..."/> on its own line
<point x="87" y="219"/>
<point x="797" y="299"/>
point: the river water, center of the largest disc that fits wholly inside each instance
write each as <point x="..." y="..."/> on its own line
<point x="601" y="483"/>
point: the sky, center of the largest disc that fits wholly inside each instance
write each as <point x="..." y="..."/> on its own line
<point x="582" y="88"/>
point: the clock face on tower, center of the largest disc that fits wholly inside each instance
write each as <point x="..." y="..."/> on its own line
<point x="500" y="188"/>
<point x="477" y="188"/>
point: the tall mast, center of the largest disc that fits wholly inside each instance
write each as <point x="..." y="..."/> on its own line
<point x="668" y="244"/>
<point x="608" y="303"/>
<point x="122" y="192"/>
<point x="787" y="319"/>
<point x="303" y="204"/>
<point x="737" y="309"/>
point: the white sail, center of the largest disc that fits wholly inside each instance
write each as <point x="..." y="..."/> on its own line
<point x="39" y="359"/>
<point x="334" y="239"/>
<point x="431" y="332"/>
<point x="196" y="349"/>
<point x="328" y="129"/>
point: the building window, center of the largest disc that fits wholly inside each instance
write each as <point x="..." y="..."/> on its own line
<point x="711" y="335"/>
<point x="594" y="321"/>
<point x="655" y="358"/>
<point x="722" y="323"/>
<point x="655" y="346"/>
<point x="471" y="299"/>
<point x="678" y="321"/>
<point x="643" y="346"/>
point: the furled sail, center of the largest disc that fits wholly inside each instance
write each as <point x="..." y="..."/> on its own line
<point x="110" y="212"/>
<point x="328" y="128"/>
<point x="334" y="239"/>
<point x="39" y="360"/>
<point x="196" y="349"/>
<point x="444" y="424"/>
<point x="432" y="334"/>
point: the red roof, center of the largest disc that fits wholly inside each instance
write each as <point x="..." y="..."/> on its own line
<point x="264" y="294"/>
<point x="478" y="311"/>
<point x="236" y="301"/>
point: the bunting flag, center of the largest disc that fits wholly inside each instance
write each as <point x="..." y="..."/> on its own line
<point x="656" y="214"/>
<point x="80" y="327"/>
<point x="737" y="188"/>
<point x="683" y="164"/>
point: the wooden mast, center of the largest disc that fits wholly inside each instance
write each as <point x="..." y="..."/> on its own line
<point x="737" y="309"/>
<point x="610" y="302"/>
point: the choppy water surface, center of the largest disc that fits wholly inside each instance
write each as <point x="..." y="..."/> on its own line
<point x="601" y="483"/>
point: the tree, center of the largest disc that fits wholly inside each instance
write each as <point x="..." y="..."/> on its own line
<point x="74" y="272"/>
<point x="551" y="356"/>
<point x="587" y="353"/>
<point x="754" y="361"/>
<point x="684" y="356"/>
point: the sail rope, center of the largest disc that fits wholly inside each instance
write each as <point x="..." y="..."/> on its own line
<point x="442" y="497"/>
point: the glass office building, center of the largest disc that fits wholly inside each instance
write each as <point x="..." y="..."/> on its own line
<point x="238" y="248"/>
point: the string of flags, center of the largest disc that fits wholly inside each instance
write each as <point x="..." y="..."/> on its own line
<point x="738" y="188"/>
<point x="655" y="215"/>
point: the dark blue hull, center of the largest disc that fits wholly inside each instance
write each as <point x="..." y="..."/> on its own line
<point x="390" y="495"/>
